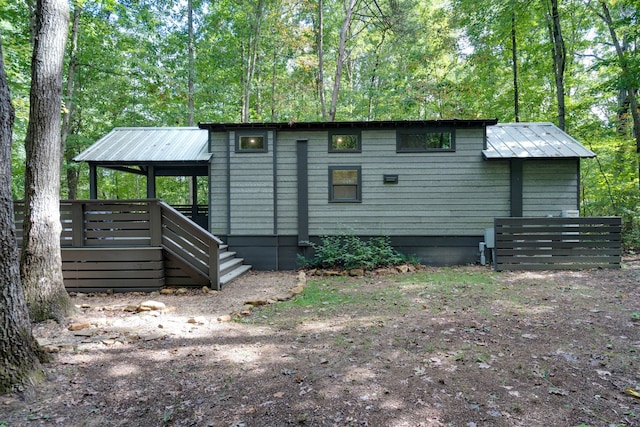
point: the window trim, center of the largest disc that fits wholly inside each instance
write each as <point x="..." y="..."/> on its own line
<point x="400" y="132"/>
<point x="356" y="132"/>
<point x="358" y="198"/>
<point x="245" y="133"/>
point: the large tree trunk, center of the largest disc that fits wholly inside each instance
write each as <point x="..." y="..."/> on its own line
<point x="19" y="353"/>
<point x="320" y="38"/>
<point x="41" y="263"/>
<point x="514" y="65"/>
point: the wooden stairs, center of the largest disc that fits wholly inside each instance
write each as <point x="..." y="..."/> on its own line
<point x="231" y="267"/>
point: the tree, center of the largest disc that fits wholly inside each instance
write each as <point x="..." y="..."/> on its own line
<point x="19" y="351"/>
<point x="559" y="53"/>
<point x="41" y="262"/>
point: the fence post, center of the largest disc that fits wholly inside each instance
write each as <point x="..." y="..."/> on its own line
<point x="155" y="222"/>
<point x="77" y="224"/>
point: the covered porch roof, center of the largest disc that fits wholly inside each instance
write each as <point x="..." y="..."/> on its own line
<point x="149" y="151"/>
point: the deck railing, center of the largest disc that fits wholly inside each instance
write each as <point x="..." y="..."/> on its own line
<point x="557" y="243"/>
<point x="130" y="224"/>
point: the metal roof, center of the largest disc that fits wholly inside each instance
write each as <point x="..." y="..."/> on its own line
<point x="532" y="141"/>
<point x="149" y="145"/>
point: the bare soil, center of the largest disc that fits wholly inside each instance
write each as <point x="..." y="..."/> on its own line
<point x="516" y="349"/>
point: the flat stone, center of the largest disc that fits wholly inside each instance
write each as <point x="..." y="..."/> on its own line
<point x="151" y="305"/>
<point x="199" y="320"/>
<point x="85" y="332"/>
<point x="79" y="326"/>
<point x="181" y="291"/>
<point x="224" y="318"/>
<point x="296" y="290"/>
<point x="167" y="291"/>
<point x="152" y="336"/>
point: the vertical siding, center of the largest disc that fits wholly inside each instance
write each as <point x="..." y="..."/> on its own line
<point x="549" y="186"/>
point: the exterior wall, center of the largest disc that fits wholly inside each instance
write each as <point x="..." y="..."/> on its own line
<point x="549" y="186"/>
<point x="438" y="210"/>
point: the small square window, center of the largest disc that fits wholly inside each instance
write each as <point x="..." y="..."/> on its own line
<point x="420" y="140"/>
<point x="341" y="141"/>
<point x="345" y="184"/>
<point x="251" y="142"/>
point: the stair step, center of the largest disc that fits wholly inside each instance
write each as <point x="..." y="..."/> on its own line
<point x="222" y="248"/>
<point x="225" y="255"/>
<point x="234" y="274"/>
<point x="229" y="265"/>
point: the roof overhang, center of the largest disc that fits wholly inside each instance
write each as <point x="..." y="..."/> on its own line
<point x="532" y="141"/>
<point x="380" y="124"/>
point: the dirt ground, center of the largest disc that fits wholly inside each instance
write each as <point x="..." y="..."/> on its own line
<point x="496" y="349"/>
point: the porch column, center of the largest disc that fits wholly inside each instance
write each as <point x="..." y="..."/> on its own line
<point x="151" y="182"/>
<point x="93" y="181"/>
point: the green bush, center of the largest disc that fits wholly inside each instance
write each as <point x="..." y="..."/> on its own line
<point x="352" y="252"/>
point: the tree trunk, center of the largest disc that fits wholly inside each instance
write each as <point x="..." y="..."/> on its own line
<point x="191" y="64"/>
<point x="320" y="37"/>
<point x="19" y="352"/>
<point x="41" y="263"/>
<point x="514" y="63"/>
<point x="69" y="111"/>
<point x="251" y="60"/>
<point x="559" y="53"/>
<point x="341" y="58"/>
<point x="626" y="74"/>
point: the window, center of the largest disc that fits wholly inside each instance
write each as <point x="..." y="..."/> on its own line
<point x="345" y="184"/>
<point x="419" y="140"/>
<point x="341" y="141"/>
<point x="251" y="142"/>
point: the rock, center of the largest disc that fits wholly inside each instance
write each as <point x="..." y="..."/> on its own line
<point x="85" y="333"/>
<point x="356" y="272"/>
<point x="79" y="326"/>
<point x="131" y="308"/>
<point x="167" y="291"/>
<point x="384" y="271"/>
<point x="181" y="291"/>
<point x="151" y="305"/>
<point x="205" y="290"/>
<point x="403" y="268"/>
<point x="152" y="336"/>
<point x="224" y="318"/>
<point x="199" y="320"/>
<point x="331" y="273"/>
<point x="256" y="303"/>
<point x="302" y="276"/>
<point x="248" y="307"/>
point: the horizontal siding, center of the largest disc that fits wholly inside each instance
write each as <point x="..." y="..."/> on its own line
<point x="549" y="187"/>
<point x="218" y="184"/>
<point x="448" y="193"/>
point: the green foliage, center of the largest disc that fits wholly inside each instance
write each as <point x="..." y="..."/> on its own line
<point x="352" y="252"/>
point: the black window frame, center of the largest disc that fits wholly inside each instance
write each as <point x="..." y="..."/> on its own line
<point x="335" y="132"/>
<point x="249" y="133"/>
<point x="358" y="198"/>
<point x="418" y="131"/>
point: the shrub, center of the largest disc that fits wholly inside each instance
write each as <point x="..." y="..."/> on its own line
<point x="352" y="252"/>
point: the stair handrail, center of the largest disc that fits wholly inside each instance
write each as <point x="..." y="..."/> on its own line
<point x="189" y="241"/>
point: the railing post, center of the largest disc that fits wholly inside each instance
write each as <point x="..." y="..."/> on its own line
<point x="155" y="222"/>
<point x="214" y="264"/>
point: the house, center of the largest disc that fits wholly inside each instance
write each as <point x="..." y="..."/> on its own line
<point x="432" y="186"/>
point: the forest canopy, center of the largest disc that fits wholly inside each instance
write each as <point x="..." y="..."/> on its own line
<point x="176" y="63"/>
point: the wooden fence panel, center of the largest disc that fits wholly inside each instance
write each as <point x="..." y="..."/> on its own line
<point x="557" y="243"/>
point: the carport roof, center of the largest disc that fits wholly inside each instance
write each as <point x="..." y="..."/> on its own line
<point x="532" y="141"/>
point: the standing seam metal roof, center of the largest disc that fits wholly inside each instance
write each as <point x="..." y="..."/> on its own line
<point x="532" y="141"/>
<point x="134" y="145"/>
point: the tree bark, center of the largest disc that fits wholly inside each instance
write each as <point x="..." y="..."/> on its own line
<point x="41" y="263"/>
<point x="19" y="352"/>
<point x="341" y="58"/>
<point x="251" y="61"/>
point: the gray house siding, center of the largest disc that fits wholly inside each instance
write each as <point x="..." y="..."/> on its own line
<point x="437" y="210"/>
<point x="550" y="186"/>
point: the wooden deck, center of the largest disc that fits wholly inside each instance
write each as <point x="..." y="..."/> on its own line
<point x="132" y="245"/>
<point x="557" y="243"/>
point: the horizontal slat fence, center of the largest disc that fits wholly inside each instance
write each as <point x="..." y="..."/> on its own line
<point x="557" y="243"/>
<point x="131" y="245"/>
